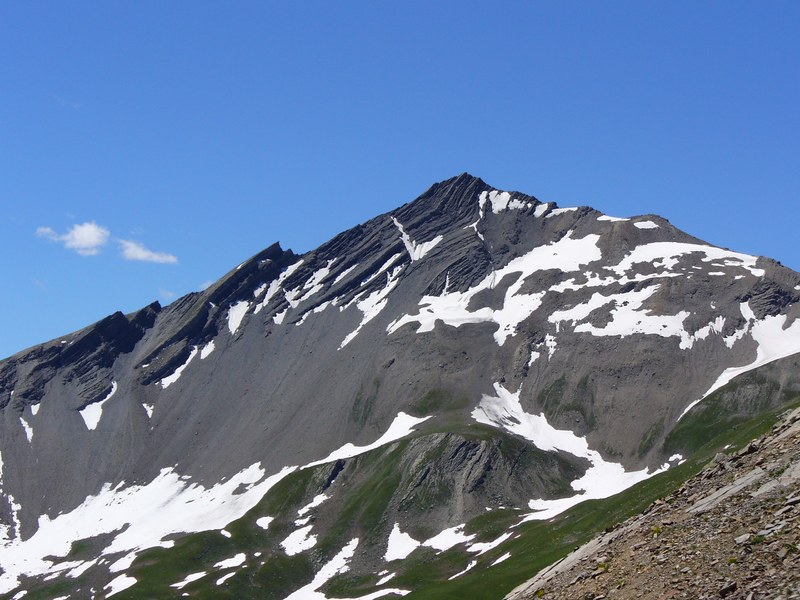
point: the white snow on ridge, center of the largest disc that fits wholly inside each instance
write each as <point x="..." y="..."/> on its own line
<point x="668" y="253"/>
<point x="560" y="211"/>
<point x="612" y="219"/>
<point x="34" y="408"/>
<point x="451" y="308"/>
<point x="774" y="339"/>
<point x="235" y="315"/>
<point x="92" y="412"/>
<point x="168" y="381"/>
<point x="501" y="201"/>
<point x="601" y="480"/>
<point x="416" y="251"/>
<point x="541" y="209"/>
<point x="646" y="225"/>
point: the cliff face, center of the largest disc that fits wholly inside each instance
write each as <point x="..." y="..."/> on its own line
<point x="536" y="355"/>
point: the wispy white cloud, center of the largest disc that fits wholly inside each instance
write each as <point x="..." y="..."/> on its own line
<point x="86" y="238"/>
<point x="167" y="295"/>
<point x="136" y="251"/>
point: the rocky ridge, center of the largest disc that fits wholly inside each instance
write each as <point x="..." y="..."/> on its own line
<point x="732" y="531"/>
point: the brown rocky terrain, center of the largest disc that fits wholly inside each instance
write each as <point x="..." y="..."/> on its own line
<point x="732" y="531"/>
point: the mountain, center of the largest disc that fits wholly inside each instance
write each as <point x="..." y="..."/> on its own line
<point x="415" y="398"/>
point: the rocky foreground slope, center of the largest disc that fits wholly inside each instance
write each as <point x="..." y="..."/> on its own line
<point x="732" y="531"/>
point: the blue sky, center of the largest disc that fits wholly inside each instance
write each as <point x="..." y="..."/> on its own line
<point x="149" y="147"/>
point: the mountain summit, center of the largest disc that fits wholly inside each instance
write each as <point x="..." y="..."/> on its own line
<point x="415" y="391"/>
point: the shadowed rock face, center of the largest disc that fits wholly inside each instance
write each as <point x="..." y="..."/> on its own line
<point x="609" y="328"/>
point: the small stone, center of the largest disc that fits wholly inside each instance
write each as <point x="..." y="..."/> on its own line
<point x="727" y="589"/>
<point x="742" y="539"/>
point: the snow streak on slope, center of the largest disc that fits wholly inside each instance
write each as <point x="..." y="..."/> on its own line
<point x="141" y="516"/>
<point x="235" y="315"/>
<point x="774" y="339"/>
<point x="275" y="285"/>
<point x="416" y="251"/>
<point x="168" y="381"/>
<point x="601" y="480"/>
<point x="452" y="308"/>
<point x="373" y="304"/>
<point x="91" y="413"/>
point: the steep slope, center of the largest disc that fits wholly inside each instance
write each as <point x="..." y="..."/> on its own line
<point x="472" y="349"/>
<point x="729" y="532"/>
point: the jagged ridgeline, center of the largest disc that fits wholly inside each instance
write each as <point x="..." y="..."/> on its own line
<point x="413" y="404"/>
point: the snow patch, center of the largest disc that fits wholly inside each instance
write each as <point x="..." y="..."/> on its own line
<point x="148" y="408"/>
<point x="225" y="578"/>
<point x="168" y="381"/>
<point x="299" y="541"/>
<point x="319" y="499"/>
<point x="344" y="273"/>
<point x="646" y="225"/>
<point x="402" y="426"/>
<point x="335" y="566"/>
<point x="561" y="211"/>
<point x="400" y="545"/>
<point x="627" y="317"/>
<point x="459" y="574"/>
<point x="601" y="480"/>
<point x="612" y="219"/>
<point x="451" y="308"/>
<point x="774" y="339"/>
<point x="118" y="584"/>
<point x="505" y="556"/>
<point x="34" y="408"/>
<point x="275" y="285"/>
<point x="188" y="579"/>
<point x="207" y="349"/>
<point x="91" y="413"/>
<point x="540" y="209"/>
<point x="448" y="538"/>
<point x="235" y="315"/>
<point x="667" y="254"/>
<point x="138" y="516"/>
<point x="416" y="251"/>
<point x="234" y="561"/>
<point x="264" y="522"/>
<point x="501" y="201"/>
<point x="484" y="547"/>
<point x="28" y="429"/>
<point x="141" y="516"/>
<point x="372" y="305"/>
